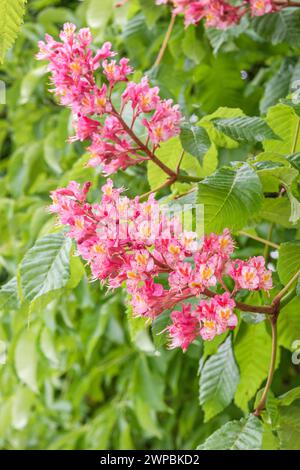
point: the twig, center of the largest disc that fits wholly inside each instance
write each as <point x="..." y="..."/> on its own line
<point x="141" y="145"/>
<point x="267" y="246"/>
<point x="259" y="239"/>
<point x="280" y="295"/>
<point x="165" y="41"/>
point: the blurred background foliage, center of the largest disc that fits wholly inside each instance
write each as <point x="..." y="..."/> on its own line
<point x="76" y="374"/>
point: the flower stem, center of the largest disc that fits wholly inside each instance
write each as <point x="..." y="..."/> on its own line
<point x="143" y="147"/>
<point x="259" y="239"/>
<point x="262" y="403"/>
<point x="164" y="185"/>
<point x="267" y="246"/>
<point x="165" y="42"/>
<point x="281" y="294"/>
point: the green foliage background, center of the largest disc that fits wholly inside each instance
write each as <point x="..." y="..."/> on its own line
<point x="80" y="373"/>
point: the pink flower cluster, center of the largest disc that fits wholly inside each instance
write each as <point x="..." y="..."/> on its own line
<point x="219" y="14"/>
<point x="114" y="142"/>
<point x="136" y="244"/>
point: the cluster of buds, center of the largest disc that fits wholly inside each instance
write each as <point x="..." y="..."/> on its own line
<point x="114" y="143"/>
<point x="139" y="246"/>
<point x="220" y="14"/>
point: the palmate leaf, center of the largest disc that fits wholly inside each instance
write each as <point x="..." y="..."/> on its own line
<point x="245" y="434"/>
<point x="46" y="266"/>
<point x="11" y="17"/>
<point x="230" y="196"/>
<point x="245" y="129"/>
<point x="218" y="380"/>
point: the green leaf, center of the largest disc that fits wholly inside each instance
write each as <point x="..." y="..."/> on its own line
<point x="277" y="210"/>
<point x="195" y="140"/>
<point x="218" y="381"/>
<point x="26" y="358"/>
<point x="245" y="434"/>
<point x="284" y="122"/>
<point x="289" y="324"/>
<point x="289" y="260"/>
<point x="230" y="197"/>
<point x="98" y="15"/>
<point x="21" y="406"/>
<point x="211" y="87"/>
<point x="11" y="17"/>
<point x="245" y="129"/>
<point x="270" y="440"/>
<point x="48" y="347"/>
<point x="289" y="397"/>
<point x="283" y="26"/>
<point x="277" y="87"/>
<point x="218" y="137"/>
<point x="253" y="365"/>
<point x="170" y="152"/>
<point x="9" y="297"/>
<point x="46" y="266"/>
<point x="289" y="428"/>
<point x="294" y="160"/>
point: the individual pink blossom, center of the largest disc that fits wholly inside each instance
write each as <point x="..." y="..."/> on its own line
<point x="261" y="7"/>
<point x="184" y="328"/>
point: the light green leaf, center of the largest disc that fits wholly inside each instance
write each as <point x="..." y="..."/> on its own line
<point x="289" y="260"/>
<point x="98" y="15"/>
<point x="218" y="381"/>
<point x="218" y="137"/>
<point x="289" y="324"/>
<point x="46" y="266"/>
<point x="9" y="297"/>
<point x="284" y="122"/>
<point x="277" y="210"/>
<point x="195" y="140"/>
<point x="289" y="428"/>
<point x="245" y="434"/>
<point x="289" y="397"/>
<point x="169" y="153"/>
<point x="245" y="129"/>
<point x="48" y="347"/>
<point x="22" y="402"/>
<point x="230" y="197"/>
<point x="270" y="440"/>
<point x="11" y="17"/>
<point x="26" y="358"/>
<point x="253" y="365"/>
